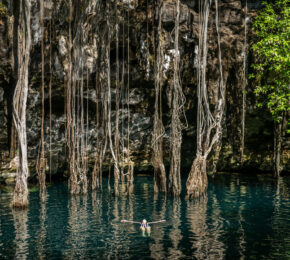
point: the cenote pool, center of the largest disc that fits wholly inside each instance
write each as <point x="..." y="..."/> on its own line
<point x="241" y="217"/>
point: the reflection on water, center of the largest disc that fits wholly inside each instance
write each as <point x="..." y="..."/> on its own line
<point x="239" y="217"/>
<point x="175" y="232"/>
<point x="78" y="226"/>
<point x="42" y="230"/>
<point x="21" y="234"/>
<point x="159" y="208"/>
<point x="203" y="218"/>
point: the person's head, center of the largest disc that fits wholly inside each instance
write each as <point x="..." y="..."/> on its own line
<point x="144" y="221"/>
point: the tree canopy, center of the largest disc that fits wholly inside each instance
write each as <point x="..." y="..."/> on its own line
<point x="272" y="58"/>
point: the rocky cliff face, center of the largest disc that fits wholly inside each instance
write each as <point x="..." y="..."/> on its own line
<point x="142" y="31"/>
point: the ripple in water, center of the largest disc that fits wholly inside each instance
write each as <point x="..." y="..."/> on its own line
<point x="240" y="217"/>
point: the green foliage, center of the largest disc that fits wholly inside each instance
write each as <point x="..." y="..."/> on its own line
<point x="3" y="9"/>
<point x="272" y="58"/>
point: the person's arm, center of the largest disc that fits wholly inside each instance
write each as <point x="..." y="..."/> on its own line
<point x="159" y="221"/>
<point x="129" y="221"/>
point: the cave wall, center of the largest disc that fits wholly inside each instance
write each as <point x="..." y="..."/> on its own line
<point x="258" y="132"/>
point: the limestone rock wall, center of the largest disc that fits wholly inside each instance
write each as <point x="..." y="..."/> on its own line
<point x="258" y="138"/>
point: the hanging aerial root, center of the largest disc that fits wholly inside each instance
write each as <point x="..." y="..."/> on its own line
<point x="158" y="128"/>
<point x="130" y="178"/>
<point x="209" y="121"/>
<point x="95" y="173"/>
<point x="74" y="188"/>
<point x="178" y="101"/>
<point x="41" y="161"/>
<point x="20" y="195"/>
<point x="197" y="181"/>
<point x="159" y="176"/>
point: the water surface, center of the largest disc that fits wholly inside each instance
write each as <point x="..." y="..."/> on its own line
<point x="241" y="217"/>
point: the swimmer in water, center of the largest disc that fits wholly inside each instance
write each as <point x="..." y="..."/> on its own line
<point x="144" y="226"/>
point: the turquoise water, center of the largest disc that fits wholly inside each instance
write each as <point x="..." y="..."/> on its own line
<point x="241" y="217"/>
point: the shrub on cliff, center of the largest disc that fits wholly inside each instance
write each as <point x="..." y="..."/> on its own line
<point x="271" y="50"/>
<point x="271" y="68"/>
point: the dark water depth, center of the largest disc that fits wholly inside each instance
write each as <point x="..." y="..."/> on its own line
<point x="241" y="217"/>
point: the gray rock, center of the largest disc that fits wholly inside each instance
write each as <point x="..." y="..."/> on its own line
<point x="7" y="176"/>
<point x="141" y="73"/>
